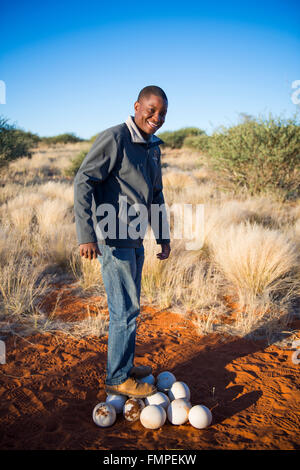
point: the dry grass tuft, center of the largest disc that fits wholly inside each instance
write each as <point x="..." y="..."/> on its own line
<point x="21" y="286"/>
<point x="261" y="265"/>
<point x="178" y="180"/>
<point x="87" y="273"/>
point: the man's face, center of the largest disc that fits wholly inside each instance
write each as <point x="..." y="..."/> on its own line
<point x="150" y="114"/>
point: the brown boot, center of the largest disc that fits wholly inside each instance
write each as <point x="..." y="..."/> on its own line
<point x="132" y="388"/>
<point x="138" y="372"/>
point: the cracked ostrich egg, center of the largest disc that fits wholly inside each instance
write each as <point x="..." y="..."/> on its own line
<point x="178" y="411"/>
<point x="132" y="409"/>
<point x="104" y="414"/>
<point x="179" y="390"/>
<point x="200" y="416"/>
<point x="149" y="379"/>
<point x="117" y="401"/>
<point x="158" y="398"/>
<point x="153" y="416"/>
<point x="165" y="381"/>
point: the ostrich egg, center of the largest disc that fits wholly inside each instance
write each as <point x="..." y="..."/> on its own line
<point x="132" y="409"/>
<point x="158" y="398"/>
<point x="179" y="390"/>
<point x="200" y="416"/>
<point x="153" y="416"/>
<point x="178" y="411"/>
<point x="149" y="379"/>
<point x="104" y="414"/>
<point x="165" y="381"/>
<point x="117" y="401"/>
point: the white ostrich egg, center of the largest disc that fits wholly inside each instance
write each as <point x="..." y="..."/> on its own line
<point x="104" y="414"/>
<point x="153" y="416"/>
<point x="200" y="416"/>
<point x="165" y="381"/>
<point x="149" y="379"/>
<point x="132" y="409"/>
<point x="179" y="390"/>
<point x="117" y="401"/>
<point x="178" y="411"/>
<point x="158" y="398"/>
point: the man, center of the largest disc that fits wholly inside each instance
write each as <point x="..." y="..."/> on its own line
<point x="122" y="172"/>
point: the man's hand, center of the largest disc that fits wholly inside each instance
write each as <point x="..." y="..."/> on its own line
<point x="165" y="251"/>
<point x="89" y="250"/>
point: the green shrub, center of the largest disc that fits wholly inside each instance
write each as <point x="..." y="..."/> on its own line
<point x="175" y="139"/>
<point x="260" y="155"/>
<point x="93" y="138"/>
<point x="61" y="139"/>
<point x="75" y="163"/>
<point x="197" y="142"/>
<point x="14" y="142"/>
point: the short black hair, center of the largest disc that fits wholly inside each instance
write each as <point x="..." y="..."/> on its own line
<point x="152" y="90"/>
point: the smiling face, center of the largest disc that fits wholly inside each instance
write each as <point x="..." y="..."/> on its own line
<point x="150" y="114"/>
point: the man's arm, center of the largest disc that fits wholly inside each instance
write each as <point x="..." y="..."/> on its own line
<point x="94" y="169"/>
<point x="163" y="235"/>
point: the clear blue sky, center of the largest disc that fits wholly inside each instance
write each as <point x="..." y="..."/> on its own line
<point x="78" y="66"/>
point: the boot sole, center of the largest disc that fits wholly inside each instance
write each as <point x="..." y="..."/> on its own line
<point x="130" y="395"/>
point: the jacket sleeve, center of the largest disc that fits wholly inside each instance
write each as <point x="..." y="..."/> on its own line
<point x="95" y="168"/>
<point x="162" y="231"/>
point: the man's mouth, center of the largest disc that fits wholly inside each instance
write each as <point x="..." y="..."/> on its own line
<point x="152" y="124"/>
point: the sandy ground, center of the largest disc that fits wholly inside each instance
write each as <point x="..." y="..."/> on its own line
<point x="51" y="383"/>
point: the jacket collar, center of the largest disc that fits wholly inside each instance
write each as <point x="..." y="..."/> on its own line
<point x="137" y="137"/>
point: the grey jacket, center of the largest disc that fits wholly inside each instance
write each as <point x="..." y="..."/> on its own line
<point x="120" y="163"/>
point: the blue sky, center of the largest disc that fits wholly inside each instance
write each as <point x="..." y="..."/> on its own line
<point x="78" y="66"/>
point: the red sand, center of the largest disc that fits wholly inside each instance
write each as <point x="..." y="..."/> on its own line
<point x="51" y="383"/>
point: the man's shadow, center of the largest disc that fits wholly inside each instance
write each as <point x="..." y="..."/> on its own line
<point x="209" y="385"/>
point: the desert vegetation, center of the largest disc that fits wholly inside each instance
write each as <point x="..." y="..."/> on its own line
<point x="243" y="280"/>
<point x="260" y="155"/>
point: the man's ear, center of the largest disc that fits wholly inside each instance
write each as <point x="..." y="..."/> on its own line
<point x="136" y="106"/>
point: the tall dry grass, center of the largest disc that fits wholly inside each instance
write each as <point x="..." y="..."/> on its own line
<point x="261" y="265"/>
<point x="186" y="282"/>
<point x="20" y="286"/>
<point x="86" y="272"/>
<point x="250" y="247"/>
<point x="23" y="284"/>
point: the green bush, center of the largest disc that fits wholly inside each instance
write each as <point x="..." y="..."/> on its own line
<point x="175" y="139"/>
<point x="14" y="142"/>
<point x="75" y="163"/>
<point x="260" y="155"/>
<point x="61" y="139"/>
<point x="197" y="142"/>
<point x="93" y="138"/>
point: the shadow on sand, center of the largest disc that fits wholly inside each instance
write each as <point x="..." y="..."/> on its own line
<point x="211" y="377"/>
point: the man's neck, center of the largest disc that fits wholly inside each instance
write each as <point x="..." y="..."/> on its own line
<point x="144" y="135"/>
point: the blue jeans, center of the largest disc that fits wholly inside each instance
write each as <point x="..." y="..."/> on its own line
<point x="121" y="273"/>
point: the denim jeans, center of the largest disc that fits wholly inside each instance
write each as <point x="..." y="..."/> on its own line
<point x="121" y="270"/>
